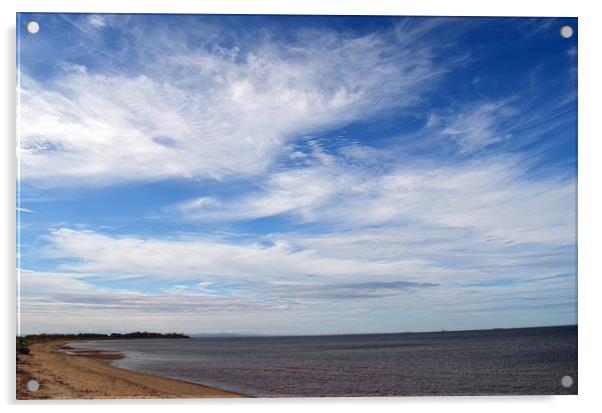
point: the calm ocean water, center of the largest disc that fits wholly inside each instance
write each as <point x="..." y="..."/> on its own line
<point x="510" y="361"/>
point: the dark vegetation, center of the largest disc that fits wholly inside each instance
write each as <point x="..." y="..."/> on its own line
<point x="23" y="342"/>
<point x="22" y="347"/>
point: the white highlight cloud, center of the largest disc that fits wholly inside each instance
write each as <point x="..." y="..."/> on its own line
<point x="97" y="20"/>
<point x="216" y="260"/>
<point x="493" y="196"/>
<point x="475" y="129"/>
<point x="210" y="115"/>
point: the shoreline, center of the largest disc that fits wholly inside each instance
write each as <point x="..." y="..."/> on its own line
<point x="74" y="374"/>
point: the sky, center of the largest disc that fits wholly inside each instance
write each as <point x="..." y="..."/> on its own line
<point x="284" y="175"/>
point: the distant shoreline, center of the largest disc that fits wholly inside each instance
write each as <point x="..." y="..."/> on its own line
<point x="478" y="330"/>
<point x="89" y="375"/>
<point x="128" y="336"/>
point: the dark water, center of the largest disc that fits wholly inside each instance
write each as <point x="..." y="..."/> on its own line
<point x="512" y="361"/>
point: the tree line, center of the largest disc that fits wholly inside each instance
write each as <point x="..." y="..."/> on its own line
<point x="23" y="342"/>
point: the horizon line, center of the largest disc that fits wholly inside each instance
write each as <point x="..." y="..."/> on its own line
<point x="243" y="335"/>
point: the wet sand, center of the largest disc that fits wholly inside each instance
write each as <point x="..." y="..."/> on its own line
<point x="86" y="374"/>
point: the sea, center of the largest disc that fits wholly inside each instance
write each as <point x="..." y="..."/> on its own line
<point x="525" y="361"/>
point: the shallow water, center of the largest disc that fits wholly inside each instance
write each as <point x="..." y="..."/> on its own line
<point x="510" y="361"/>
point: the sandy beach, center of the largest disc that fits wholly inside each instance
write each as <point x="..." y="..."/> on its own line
<point x="71" y="374"/>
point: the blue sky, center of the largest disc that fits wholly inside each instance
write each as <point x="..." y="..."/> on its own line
<point x="296" y="174"/>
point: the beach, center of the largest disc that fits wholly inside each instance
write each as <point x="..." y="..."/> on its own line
<point x="89" y="375"/>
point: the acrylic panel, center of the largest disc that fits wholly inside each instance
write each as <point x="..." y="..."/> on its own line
<point x="295" y="206"/>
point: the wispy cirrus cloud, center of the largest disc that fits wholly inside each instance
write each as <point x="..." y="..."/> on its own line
<point x="492" y="196"/>
<point x="234" y="110"/>
<point x="476" y="128"/>
<point x="213" y="259"/>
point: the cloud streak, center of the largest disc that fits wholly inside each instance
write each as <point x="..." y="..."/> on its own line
<point x="492" y="196"/>
<point x="233" y="110"/>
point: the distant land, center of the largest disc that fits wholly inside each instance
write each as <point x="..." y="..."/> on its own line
<point x="97" y="336"/>
<point x="226" y="335"/>
<point x="113" y="336"/>
<point x="23" y="342"/>
<point x="251" y="335"/>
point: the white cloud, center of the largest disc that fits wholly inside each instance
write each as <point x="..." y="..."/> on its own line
<point x="218" y="260"/>
<point x="494" y="197"/>
<point x="299" y="192"/>
<point x="477" y="127"/>
<point x="57" y="302"/>
<point x="209" y="114"/>
<point x="72" y="68"/>
<point x="97" y="20"/>
<point x="295" y="268"/>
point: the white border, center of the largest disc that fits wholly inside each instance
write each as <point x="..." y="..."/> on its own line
<point x="590" y="205"/>
<point x="349" y="7"/>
